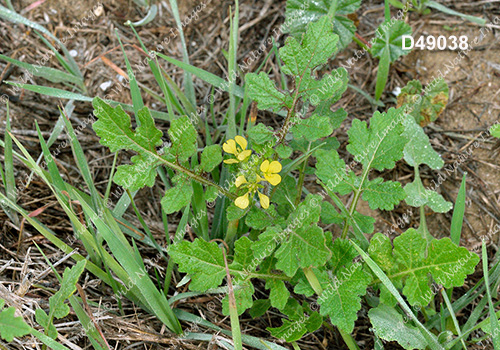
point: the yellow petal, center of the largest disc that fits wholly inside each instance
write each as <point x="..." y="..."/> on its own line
<point x="275" y="167"/>
<point x="229" y="146"/>
<point x="264" y="200"/>
<point x="240" y="180"/>
<point x="264" y="166"/>
<point x="244" y="155"/>
<point x="259" y="179"/>
<point x="231" y="161"/>
<point x="241" y="141"/>
<point x="273" y="179"/>
<point x="242" y="202"/>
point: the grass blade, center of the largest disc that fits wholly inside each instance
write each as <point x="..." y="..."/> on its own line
<point x="51" y="74"/>
<point x="13" y="17"/>
<point x="448" y="11"/>
<point x="493" y="318"/>
<point x="8" y="176"/>
<point x="208" y="77"/>
<point x="458" y="213"/>
<point x="188" y="81"/>
<point x="232" y="64"/>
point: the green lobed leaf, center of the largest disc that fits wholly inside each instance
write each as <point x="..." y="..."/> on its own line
<point x="178" y="196"/>
<point x="313" y="128"/>
<point x="316" y="47"/>
<point x="115" y="131"/>
<point x="413" y="260"/>
<point x="305" y="243"/>
<point x="183" y="137"/>
<point x="263" y="90"/>
<point x="418" y="196"/>
<point x="389" y="40"/>
<point x="424" y="105"/>
<point x="388" y="324"/>
<point x="243" y="295"/>
<point x="380" y="145"/>
<point x="211" y="157"/>
<point x="300" y="13"/>
<point x="418" y="150"/>
<point x="260" y="134"/>
<point x="11" y="326"/>
<point x="382" y="194"/>
<point x="202" y="260"/>
<point x="293" y="330"/>
<point x="341" y="297"/>
<point x="43" y="320"/>
<point x="68" y="286"/>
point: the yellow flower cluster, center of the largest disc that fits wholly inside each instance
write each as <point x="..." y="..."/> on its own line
<point x="268" y="170"/>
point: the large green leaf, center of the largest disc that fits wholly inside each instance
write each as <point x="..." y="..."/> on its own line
<point x="389" y="40"/>
<point x="412" y="261"/>
<point x="68" y="286"/>
<point x="380" y="145"/>
<point x="299" y="13"/>
<point x="388" y="324"/>
<point x="11" y="326"/>
<point x="115" y="131"/>
<point x="304" y="244"/>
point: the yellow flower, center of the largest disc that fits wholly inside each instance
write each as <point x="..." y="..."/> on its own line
<point x="238" y="148"/>
<point x="271" y="171"/>
<point x="243" y="201"/>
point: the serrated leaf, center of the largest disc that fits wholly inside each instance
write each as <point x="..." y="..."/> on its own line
<point x="418" y="150"/>
<point x="424" y="105"/>
<point x="11" y="326"/>
<point x="380" y="145"/>
<point x="259" y="219"/>
<point x="263" y="90"/>
<point x="43" y="320"/>
<point x="418" y="196"/>
<point x="210" y="158"/>
<point x="448" y="264"/>
<point x="305" y="243"/>
<point x="336" y="118"/>
<point x="183" y="137"/>
<point x="278" y="294"/>
<point x="364" y="222"/>
<point x="178" y="196"/>
<point x="341" y="297"/>
<point x="382" y="194"/>
<point x="202" y="260"/>
<point x="388" y="324"/>
<point x="389" y="40"/>
<point x="115" y="131"/>
<point x="298" y="16"/>
<point x="313" y="128"/>
<point x="326" y="89"/>
<point x="243" y="296"/>
<point x="260" y="134"/>
<point x="331" y="170"/>
<point x="317" y="46"/>
<point x="259" y="308"/>
<point x="293" y="330"/>
<point x="68" y="287"/>
<point x="285" y="195"/>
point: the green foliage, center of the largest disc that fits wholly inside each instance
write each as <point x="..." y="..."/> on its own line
<point x="299" y="13"/>
<point x="10" y="325"/>
<point x="388" y="47"/>
<point x="388" y="324"/>
<point x="413" y="260"/>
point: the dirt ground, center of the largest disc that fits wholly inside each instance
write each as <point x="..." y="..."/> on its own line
<point x="474" y="105"/>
